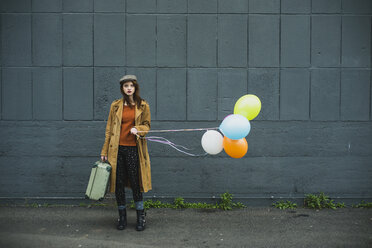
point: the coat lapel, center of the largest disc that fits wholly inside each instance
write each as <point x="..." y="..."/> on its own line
<point x="119" y="109"/>
<point x="139" y="110"/>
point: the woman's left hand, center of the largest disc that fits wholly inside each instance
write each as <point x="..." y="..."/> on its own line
<point x="134" y="131"/>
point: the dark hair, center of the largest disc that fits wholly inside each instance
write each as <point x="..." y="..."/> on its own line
<point x="136" y="96"/>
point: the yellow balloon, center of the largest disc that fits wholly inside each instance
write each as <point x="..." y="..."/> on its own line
<point x="248" y="106"/>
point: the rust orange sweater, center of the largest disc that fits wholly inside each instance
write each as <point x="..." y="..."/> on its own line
<point x="127" y="123"/>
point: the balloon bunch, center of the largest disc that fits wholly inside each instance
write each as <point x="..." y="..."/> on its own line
<point x="235" y="127"/>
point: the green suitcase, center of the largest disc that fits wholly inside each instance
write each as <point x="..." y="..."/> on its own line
<point x="98" y="181"/>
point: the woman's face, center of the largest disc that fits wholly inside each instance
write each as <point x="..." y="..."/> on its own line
<point x="129" y="88"/>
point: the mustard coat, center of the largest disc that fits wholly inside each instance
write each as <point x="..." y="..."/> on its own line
<point x="111" y="146"/>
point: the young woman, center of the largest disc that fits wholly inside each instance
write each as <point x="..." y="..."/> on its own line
<point x="127" y="153"/>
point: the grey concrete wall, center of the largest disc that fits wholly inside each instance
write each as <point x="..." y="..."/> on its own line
<point x="308" y="61"/>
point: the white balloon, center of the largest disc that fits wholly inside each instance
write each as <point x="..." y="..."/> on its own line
<point x="212" y="142"/>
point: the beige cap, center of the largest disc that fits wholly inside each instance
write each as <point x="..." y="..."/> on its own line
<point x="128" y="78"/>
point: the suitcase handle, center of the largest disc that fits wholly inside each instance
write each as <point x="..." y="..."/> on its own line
<point x="99" y="161"/>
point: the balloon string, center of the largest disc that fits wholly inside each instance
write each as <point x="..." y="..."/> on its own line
<point x="179" y="130"/>
<point x="164" y="141"/>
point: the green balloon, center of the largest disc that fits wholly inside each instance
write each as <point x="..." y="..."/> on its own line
<point x="248" y="106"/>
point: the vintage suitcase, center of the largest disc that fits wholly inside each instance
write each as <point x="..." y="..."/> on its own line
<point x="98" y="181"/>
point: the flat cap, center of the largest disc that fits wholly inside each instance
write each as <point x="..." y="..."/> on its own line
<point x="128" y="78"/>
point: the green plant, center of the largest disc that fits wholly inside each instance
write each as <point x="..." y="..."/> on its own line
<point x="226" y="201"/>
<point x="239" y="205"/>
<point x="363" y="204"/>
<point x="179" y="202"/>
<point x="285" y="205"/>
<point x="320" y="201"/>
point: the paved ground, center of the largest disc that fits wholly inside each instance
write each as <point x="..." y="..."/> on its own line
<point x="251" y="227"/>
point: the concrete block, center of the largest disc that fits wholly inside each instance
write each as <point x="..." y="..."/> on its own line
<point x="326" y="41"/>
<point x="294" y="94"/>
<point x="141" y="40"/>
<point x="77" y="39"/>
<point x="171" y="94"/>
<point x="264" y="83"/>
<point x="109" y="6"/>
<point x="296" y="6"/>
<point x="57" y="176"/>
<point x="106" y="89"/>
<point x="233" y="6"/>
<point x="46" y="5"/>
<point x="202" y="41"/>
<point x="329" y="6"/>
<point x="355" y="98"/>
<point x="78" y="93"/>
<point x="47" y="39"/>
<point x="172" y="6"/>
<point x="356" y="41"/>
<point x="202" y="94"/>
<point x="53" y="138"/>
<point x="171" y="40"/>
<point x="7" y="6"/>
<point x="264" y="6"/>
<point x="17" y="94"/>
<point x="325" y="94"/>
<point x="357" y="6"/>
<point x="295" y="41"/>
<point x="263" y="41"/>
<point x="205" y="6"/>
<point x="47" y="93"/>
<point x="147" y="83"/>
<point x="77" y="5"/>
<point x="16" y="39"/>
<point x="232" y="84"/>
<point x="109" y="39"/>
<point x="232" y="40"/>
<point x="143" y="6"/>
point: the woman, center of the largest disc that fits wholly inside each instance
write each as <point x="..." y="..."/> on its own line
<point x="126" y="151"/>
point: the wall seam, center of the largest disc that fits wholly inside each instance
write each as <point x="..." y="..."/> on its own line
<point x="310" y="70"/>
<point x="156" y="62"/>
<point x="187" y="62"/>
<point x="32" y="64"/>
<point x="217" y="58"/>
<point x="247" y="67"/>
<point x="280" y="59"/>
<point x="93" y="62"/>
<point x="186" y="55"/>
<point x="62" y="69"/>
<point x="340" y="68"/>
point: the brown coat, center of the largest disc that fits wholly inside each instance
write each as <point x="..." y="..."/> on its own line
<point x="111" y="146"/>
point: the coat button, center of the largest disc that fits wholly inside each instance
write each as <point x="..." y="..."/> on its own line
<point x="110" y="145"/>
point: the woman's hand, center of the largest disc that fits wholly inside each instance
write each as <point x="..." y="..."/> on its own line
<point x="103" y="158"/>
<point x="134" y="131"/>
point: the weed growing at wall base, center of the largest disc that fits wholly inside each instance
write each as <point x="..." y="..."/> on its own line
<point x="321" y="201"/>
<point x="285" y="205"/>
<point x="363" y="204"/>
<point x="225" y="203"/>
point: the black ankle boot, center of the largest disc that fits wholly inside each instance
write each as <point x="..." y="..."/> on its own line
<point x="140" y="220"/>
<point x="122" y="219"/>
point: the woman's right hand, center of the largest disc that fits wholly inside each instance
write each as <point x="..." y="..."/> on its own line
<point x="103" y="158"/>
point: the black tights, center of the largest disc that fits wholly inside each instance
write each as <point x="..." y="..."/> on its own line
<point x="127" y="168"/>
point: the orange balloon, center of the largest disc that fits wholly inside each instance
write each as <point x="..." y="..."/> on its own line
<point x="235" y="148"/>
